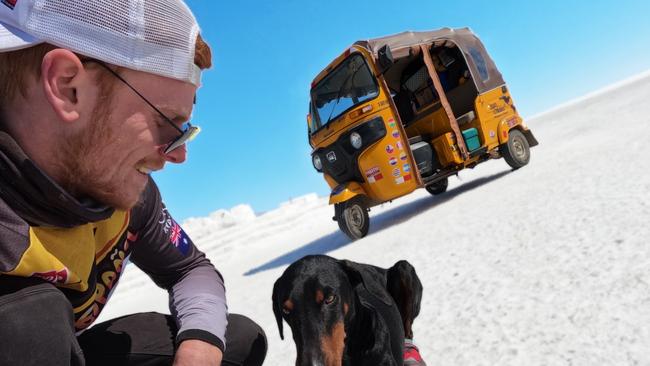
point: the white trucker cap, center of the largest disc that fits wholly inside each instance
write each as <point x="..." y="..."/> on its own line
<point x="154" y="36"/>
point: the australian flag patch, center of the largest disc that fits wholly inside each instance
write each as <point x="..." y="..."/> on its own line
<point x="11" y="4"/>
<point x="178" y="238"/>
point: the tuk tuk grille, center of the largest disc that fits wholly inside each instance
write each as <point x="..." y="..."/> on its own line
<point x="345" y="168"/>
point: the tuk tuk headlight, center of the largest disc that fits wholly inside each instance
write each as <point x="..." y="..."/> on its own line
<point x="355" y="140"/>
<point x="318" y="164"/>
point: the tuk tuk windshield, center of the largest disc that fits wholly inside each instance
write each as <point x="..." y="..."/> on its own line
<point x="348" y="85"/>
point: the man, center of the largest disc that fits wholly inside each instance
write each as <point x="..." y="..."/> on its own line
<point x="94" y="96"/>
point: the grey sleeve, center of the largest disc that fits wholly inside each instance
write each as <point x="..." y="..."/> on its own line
<point x="166" y="253"/>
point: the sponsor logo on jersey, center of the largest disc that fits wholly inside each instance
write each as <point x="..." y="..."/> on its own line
<point x="109" y="271"/>
<point x="56" y="277"/>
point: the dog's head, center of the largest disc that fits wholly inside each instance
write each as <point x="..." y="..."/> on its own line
<point x="315" y="297"/>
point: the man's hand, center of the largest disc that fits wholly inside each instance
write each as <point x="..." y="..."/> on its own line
<point x="193" y="352"/>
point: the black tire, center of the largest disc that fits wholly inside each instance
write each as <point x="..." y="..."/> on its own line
<point x="353" y="218"/>
<point x="438" y="187"/>
<point x="516" y="151"/>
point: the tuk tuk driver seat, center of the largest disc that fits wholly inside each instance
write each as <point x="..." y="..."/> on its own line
<point x="403" y="102"/>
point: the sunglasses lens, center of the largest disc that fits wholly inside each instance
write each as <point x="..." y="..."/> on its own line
<point x="188" y="135"/>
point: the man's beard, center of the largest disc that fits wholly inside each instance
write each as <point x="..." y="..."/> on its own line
<point x="83" y="161"/>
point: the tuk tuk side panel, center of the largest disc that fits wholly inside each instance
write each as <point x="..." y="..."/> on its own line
<point x="387" y="166"/>
<point x="494" y="108"/>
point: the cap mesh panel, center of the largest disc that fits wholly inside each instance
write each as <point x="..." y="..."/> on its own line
<point x="156" y="36"/>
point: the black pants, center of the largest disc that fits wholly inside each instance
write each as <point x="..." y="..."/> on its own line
<point x="36" y="328"/>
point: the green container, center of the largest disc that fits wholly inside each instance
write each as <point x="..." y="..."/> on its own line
<point x="470" y="136"/>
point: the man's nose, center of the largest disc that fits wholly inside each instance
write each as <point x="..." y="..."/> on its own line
<point x="177" y="155"/>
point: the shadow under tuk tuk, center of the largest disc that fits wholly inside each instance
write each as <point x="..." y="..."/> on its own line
<point x="381" y="222"/>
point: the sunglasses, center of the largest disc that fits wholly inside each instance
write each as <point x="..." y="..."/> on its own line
<point x="174" y="138"/>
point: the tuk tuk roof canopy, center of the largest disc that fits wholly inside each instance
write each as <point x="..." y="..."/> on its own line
<point x="485" y="74"/>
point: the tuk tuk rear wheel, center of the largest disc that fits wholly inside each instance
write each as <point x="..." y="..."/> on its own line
<point x="438" y="187"/>
<point x="353" y="218"/>
<point x="516" y="151"/>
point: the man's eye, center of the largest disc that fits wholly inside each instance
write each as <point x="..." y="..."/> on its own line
<point x="330" y="299"/>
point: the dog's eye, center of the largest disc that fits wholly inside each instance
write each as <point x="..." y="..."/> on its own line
<point x="330" y="299"/>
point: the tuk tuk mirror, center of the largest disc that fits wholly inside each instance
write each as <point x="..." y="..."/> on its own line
<point x="385" y="58"/>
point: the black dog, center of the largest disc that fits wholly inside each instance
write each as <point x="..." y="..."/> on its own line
<point x="346" y="313"/>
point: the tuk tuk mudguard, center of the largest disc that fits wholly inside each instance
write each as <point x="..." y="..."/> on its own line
<point x="345" y="192"/>
<point x="532" y="141"/>
<point x="504" y="134"/>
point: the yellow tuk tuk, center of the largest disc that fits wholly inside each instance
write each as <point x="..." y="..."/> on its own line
<point x="393" y="114"/>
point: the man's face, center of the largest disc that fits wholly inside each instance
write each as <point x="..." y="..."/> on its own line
<point x="111" y="159"/>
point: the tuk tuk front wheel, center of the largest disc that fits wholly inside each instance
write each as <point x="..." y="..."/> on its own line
<point x="353" y="218"/>
<point x="438" y="187"/>
<point x="516" y="151"/>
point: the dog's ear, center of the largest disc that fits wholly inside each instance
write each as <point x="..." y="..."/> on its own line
<point x="369" y="277"/>
<point x="277" y="307"/>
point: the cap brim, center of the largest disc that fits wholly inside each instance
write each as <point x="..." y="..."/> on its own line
<point x="12" y="39"/>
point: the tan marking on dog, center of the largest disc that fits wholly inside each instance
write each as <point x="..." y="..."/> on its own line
<point x="346" y="307"/>
<point x="333" y="345"/>
<point x="320" y="296"/>
<point x="288" y="305"/>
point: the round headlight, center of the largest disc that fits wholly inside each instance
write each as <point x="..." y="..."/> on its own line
<point x="355" y="140"/>
<point x="317" y="163"/>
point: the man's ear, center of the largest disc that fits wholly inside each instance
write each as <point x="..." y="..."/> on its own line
<point x="62" y="73"/>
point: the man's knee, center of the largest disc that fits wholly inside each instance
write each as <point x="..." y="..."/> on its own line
<point x="245" y="342"/>
<point x="37" y="325"/>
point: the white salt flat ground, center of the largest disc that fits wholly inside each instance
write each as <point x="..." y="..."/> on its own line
<point x="546" y="265"/>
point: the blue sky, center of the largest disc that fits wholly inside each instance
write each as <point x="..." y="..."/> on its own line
<point x="252" y="107"/>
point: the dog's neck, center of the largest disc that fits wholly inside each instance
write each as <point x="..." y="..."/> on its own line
<point x="358" y="340"/>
